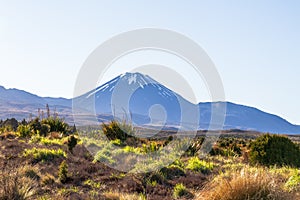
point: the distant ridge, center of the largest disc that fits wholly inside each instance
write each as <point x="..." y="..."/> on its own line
<point x="147" y="92"/>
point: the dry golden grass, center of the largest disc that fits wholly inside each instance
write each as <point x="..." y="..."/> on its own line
<point x="245" y="184"/>
<point x="114" y="195"/>
<point x="13" y="185"/>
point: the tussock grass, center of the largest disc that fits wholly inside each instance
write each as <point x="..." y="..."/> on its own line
<point x="114" y="195"/>
<point x="180" y="191"/>
<point x="15" y="186"/>
<point x="247" y="183"/>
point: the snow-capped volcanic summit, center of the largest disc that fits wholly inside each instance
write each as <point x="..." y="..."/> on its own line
<point x="144" y="101"/>
<point x="139" y="98"/>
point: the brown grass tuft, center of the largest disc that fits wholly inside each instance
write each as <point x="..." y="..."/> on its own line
<point x="245" y="184"/>
<point x="13" y="185"/>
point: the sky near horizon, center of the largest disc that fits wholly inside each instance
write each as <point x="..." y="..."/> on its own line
<point x="255" y="45"/>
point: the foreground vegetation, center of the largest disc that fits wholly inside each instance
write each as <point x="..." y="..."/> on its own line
<point x="46" y="159"/>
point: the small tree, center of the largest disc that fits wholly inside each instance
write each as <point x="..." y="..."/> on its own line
<point x="45" y="128"/>
<point x="63" y="172"/>
<point x="72" y="142"/>
<point x="35" y="125"/>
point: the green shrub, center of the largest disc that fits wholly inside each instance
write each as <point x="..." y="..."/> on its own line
<point x="44" y="154"/>
<point x="116" y="142"/>
<point x="155" y="177"/>
<point x="180" y="191"/>
<point x="35" y="125"/>
<point x="293" y="182"/>
<point x="105" y="154"/>
<point x="194" y="147"/>
<point x="116" y="130"/>
<point x="274" y="150"/>
<point x="44" y="130"/>
<point x="45" y="141"/>
<point x="56" y="125"/>
<point x="24" y="130"/>
<point x="72" y="142"/>
<point x="172" y="172"/>
<point x="93" y="184"/>
<point x="63" y="172"/>
<point x="195" y="164"/>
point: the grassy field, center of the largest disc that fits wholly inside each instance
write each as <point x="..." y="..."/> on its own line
<point x="57" y="165"/>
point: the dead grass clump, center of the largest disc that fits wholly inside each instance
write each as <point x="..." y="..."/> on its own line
<point x="114" y="195"/>
<point x="245" y="184"/>
<point x="15" y="186"/>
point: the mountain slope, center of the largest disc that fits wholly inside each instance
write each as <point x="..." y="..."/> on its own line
<point x="145" y="102"/>
<point x="21" y="104"/>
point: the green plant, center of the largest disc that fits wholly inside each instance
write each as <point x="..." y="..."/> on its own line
<point x="105" y="154"/>
<point x="63" y="172"/>
<point x="180" y="190"/>
<point x="116" y="130"/>
<point x="72" y="142"/>
<point x="194" y="147"/>
<point x="116" y="142"/>
<point x="195" y="164"/>
<point x="44" y="154"/>
<point x="172" y="171"/>
<point x="45" y="141"/>
<point x="56" y="125"/>
<point x="293" y="182"/>
<point x="151" y="147"/>
<point x="44" y="130"/>
<point x="93" y="184"/>
<point x="274" y="150"/>
<point x="24" y="130"/>
<point x="117" y="175"/>
<point x="35" y="125"/>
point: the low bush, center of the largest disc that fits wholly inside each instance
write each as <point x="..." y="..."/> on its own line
<point x="180" y="190"/>
<point x="117" y="130"/>
<point x="56" y="124"/>
<point x="45" y="141"/>
<point x="172" y="172"/>
<point x="24" y="130"/>
<point x="195" y="164"/>
<point x="44" y="154"/>
<point x="72" y="142"/>
<point x="105" y="154"/>
<point x="274" y="150"/>
<point x="293" y="183"/>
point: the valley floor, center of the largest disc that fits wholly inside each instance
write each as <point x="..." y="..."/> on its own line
<point x="25" y="169"/>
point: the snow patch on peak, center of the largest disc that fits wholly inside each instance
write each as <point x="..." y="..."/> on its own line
<point x="132" y="79"/>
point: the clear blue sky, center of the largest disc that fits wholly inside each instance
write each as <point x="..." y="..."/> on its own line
<point x="255" y="45"/>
